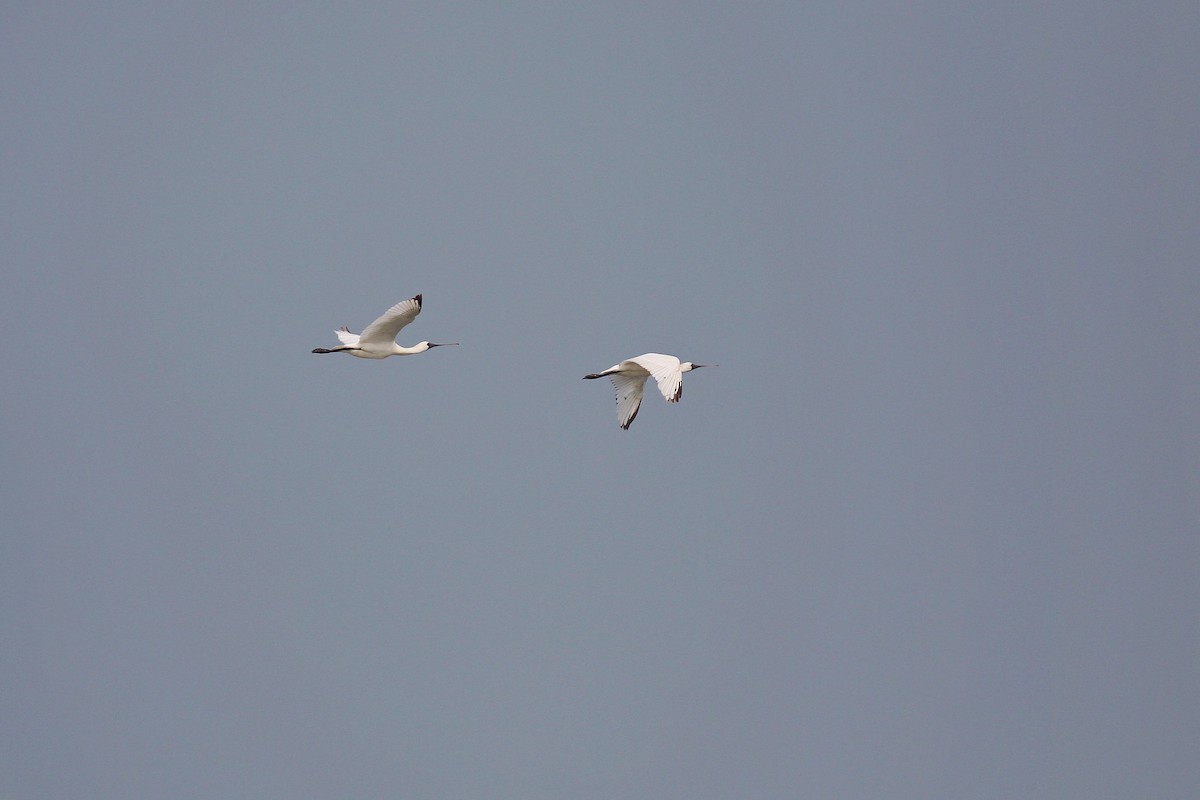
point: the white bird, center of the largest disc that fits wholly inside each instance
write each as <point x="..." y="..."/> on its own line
<point x="629" y="378"/>
<point x="378" y="340"/>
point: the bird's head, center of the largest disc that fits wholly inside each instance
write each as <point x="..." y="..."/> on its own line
<point x="431" y="345"/>
<point x="688" y="366"/>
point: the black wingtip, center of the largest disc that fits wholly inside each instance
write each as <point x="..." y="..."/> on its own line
<point x="418" y="299"/>
<point x="632" y="417"/>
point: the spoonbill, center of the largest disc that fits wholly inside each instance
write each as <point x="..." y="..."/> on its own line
<point x="378" y="340"/>
<point x="629" y="378"/>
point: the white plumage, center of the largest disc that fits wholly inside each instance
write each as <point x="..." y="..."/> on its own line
<point x="629" y="379"/>
<point x="378" y="340"/>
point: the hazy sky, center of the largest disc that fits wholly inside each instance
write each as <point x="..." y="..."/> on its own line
<point x="931" y="530"/>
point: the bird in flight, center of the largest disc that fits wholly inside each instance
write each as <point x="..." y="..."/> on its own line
<point x="629" y="378"/>
<point x="378" y="340"/>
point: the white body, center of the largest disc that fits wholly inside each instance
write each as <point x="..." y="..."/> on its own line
<point x="378" y="340"/>
<point x="629" y="379"/>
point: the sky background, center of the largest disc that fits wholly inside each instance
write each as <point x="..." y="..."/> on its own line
<point x="931" y="530"/>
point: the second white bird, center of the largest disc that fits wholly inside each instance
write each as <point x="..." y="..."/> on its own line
<point x="629" y="379"/>
<point x="378" y="340"/>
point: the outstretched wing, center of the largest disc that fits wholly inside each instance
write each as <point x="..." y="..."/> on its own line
<point x="346" y="337"/>
<point x="666" y="373"/>
<point x="383" y="330"/>
<point x="629" y="396"/>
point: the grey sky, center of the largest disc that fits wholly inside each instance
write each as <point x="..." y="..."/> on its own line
<point x="930" y="531"/>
